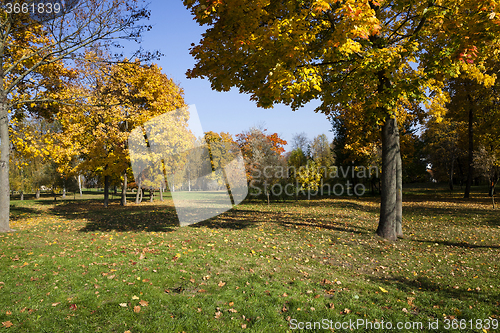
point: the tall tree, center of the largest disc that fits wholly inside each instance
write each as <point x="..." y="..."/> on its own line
<point x="295" y="51"/>
<point x="119" y="98"/>
<point x="29" y="48"/>
<point x="465" y="118"/>
<point x="265" y="165"/>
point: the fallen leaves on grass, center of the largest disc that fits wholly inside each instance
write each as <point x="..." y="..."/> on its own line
<point x="7" y="324"/>
<point x="383" y="290"/>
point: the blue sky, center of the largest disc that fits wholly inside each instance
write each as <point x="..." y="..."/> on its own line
<point x="173" y="32"/>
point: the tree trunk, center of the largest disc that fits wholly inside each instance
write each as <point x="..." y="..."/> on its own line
<point x="399" y="190"/>
<point x="106" y="191"/>
<point x="138" y="196"/>
<point x="80" y="185"/>
<point x="492" y="191"/>
<point x="37" y="194"/>
<point x="64" y="192"/>
<point x="388" y="211"/>
<point x="21" y="193"/>
<point x="451" y="172"/>
<point x="4" y="166"/>
<point x="470" y="161"/>
<point x="151" y="195"/>
<point x="123" y="202"/>
<point x="161" y="193"/>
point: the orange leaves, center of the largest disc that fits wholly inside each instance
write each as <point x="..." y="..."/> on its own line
<point x="7" y="324"/>
<point x="468" y="55"/>
<point x="321" y="6"/>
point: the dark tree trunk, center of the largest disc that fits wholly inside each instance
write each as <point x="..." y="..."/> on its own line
<point x="22" y="195"/>
<point x="390" y="150"/>
<point x="106" y="191"/>
<point x="470" y="160"/>
<point x="123" y="201"/>
<point x="399" y="190"/>
<point x="491" y="191"/>
<point x="451" y="172"/>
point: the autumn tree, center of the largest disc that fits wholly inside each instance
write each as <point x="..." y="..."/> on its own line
<point x="301" y="141"/>
<point x="342" y="52"/>
<point x="264" y="162"/>
<point x="465" y="120"/>
<point x="119" y="98"/>
<point x="310" y="176"/>
<point x="30" y="48"/>
<point x="321" y="151"/>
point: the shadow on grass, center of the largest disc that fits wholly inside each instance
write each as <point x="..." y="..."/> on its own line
<point x="463" y="216"/>
<point x="18" y="212"/>
<point x="456" y="244"/>
<point x="147" y="217"/>
<point x="441" y="291"/>
<point x="235" y="219"/>
<point x="349" y="229"/>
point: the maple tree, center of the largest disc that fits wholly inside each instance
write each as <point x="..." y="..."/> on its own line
<point x="221" y="149"/>
<point x="464" y="121"/>
<point x="120" y="97"/>
<point x="30" y="51"/>
<point x="380" y="54"/>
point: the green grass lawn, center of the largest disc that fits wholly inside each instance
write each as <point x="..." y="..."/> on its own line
<point x="74" y="266"/>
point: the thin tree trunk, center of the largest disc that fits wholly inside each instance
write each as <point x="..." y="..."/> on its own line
<point x="64" y="192"/>
<point x="161" y="193"/>
<point x="138" y="196"/>
<point x="106" y="191"/>
<point x="399" y="190"/>
<point x="151" y="195"/>
<point x="451" y="172"/>
<point x="123" y="202"/>
<point x="388" y="212"/>
<point x="22" y="195"/>
<point x="37" y="194"/>
<point x="470" y="161"/>
<point x="492" y="192"/>
<point x="4" y="163"/>
<point x="80" y="185"/>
